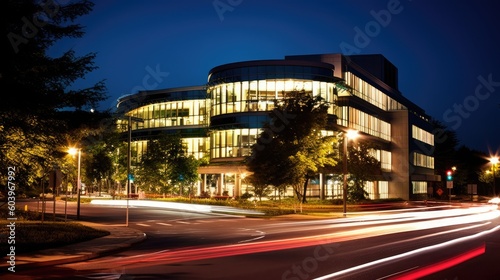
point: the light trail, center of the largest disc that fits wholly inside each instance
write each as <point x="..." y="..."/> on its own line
<point x="379" y="219"/>
<point x="442" y="265"/>
<point x="411" y="254"/>
<point x="193" y="254"/>
<point x="188" y="207"/>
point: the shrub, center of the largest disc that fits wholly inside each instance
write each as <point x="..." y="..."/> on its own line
<point x="246" y="195"/>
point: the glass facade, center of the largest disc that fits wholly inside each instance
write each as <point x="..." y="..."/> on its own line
<point x="367" y="92"/>
<point x="271" y="69"/>
<point x="258" y="96"/>
<point x="170" y="114"/>
<point x="364" y="122"/>
<point x="232" y="143"/>
<point x="180" y="110"/>
<point x="241" y="96"/>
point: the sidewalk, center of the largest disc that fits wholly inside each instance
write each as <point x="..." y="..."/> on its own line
<point x="120" y="237"/>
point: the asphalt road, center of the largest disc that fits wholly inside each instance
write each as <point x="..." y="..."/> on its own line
<point x="457" y="243"/>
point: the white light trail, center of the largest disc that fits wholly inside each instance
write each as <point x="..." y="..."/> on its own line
<point x="408" y="254"/>
<point x="199" y="208"/>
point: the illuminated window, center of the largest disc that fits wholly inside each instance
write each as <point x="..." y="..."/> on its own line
<point x="419" y="187"/>
<point x="423" y="160"/>
<point x="369" y="93"/>
<point x="377" y="190"/>
<point x="260" y="95"/>
<point x="233" y="143"/>
<point x="422" y="135"/>
<point x="364" y="122"/>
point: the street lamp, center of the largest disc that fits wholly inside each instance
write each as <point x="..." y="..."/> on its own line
<point x="129" y="119"/>
<point x="74" y="151"/>
<point x="349" y="134"/>
<point x="494" y="161"/>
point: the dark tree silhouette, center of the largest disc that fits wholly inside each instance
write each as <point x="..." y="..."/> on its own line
<point x="40" y="108"/>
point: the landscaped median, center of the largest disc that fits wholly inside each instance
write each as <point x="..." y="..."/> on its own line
<point x="265" y="208"/>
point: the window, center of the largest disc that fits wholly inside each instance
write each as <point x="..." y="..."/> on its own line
<point x="364" y="122"/>
<point x="423" y="160"/>
<point x="369" y="93"/>
<point x="422" y="135"/>
<point x="377" y="190"/>
<point x="419" y="187"/>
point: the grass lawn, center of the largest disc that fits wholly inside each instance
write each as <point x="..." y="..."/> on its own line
<point x="31" y="234"/>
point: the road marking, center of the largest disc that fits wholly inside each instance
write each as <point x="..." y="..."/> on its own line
<point x="144" y="225"/>
<point x="253" y="239"/>
<point x="396" y="273"/>
<point x="182" y="222"/>
<point x="163" y="224"/>
<point x="259" y="235"/>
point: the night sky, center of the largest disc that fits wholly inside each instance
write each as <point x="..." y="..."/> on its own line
<point x="448" y="55"/>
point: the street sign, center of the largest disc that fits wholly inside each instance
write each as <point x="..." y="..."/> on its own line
<point x="439" y="192"/>
<point x="472" y="188"/>
<point x="449" y="184"/>
<point x="55" y="179"/>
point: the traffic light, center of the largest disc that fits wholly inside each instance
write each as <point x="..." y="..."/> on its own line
<point x="449" y="176"/>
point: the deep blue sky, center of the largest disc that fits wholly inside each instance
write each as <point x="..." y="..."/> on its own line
<point x="441" y="49"/>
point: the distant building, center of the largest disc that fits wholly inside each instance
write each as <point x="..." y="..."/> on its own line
<point x="223" y="119"/>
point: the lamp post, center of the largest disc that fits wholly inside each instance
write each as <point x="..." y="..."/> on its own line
<point x="129" y="119"/>
<point x="494" y="161"/>
<point x="73" y="151"/>
<point x="350" y="134"/>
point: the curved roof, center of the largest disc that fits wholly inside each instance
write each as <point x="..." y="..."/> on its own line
<point x="141" y="98"/>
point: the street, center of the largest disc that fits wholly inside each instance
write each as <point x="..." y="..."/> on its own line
<point x="426" y="243"/>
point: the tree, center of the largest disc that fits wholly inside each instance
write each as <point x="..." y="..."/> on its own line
<point x="469" y="163"/>
<point x="363" y="167"/>
<point x="445" y="143"/>
<point x="291" y="147"/>
<point x="166" y="165"/>
<point x="183" y="173"/>
<point x="34" y="123"/>
<point x="260" y="186"/>
<point x="152" y="168"/>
